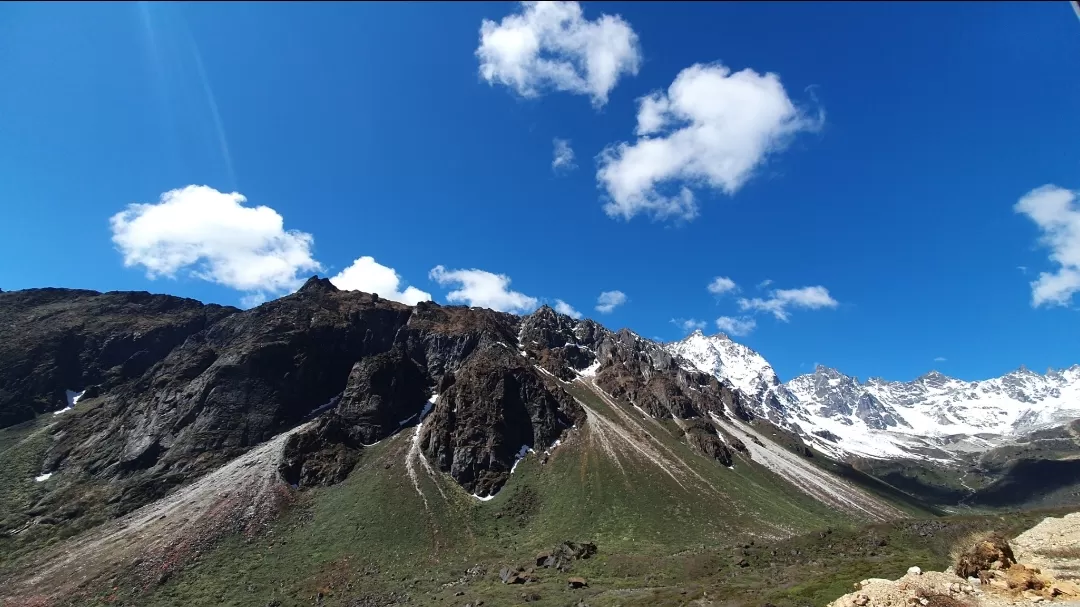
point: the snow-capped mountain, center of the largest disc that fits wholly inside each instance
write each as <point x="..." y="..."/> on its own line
<point x="929" y="417"/>
<point x="744" y="368"/>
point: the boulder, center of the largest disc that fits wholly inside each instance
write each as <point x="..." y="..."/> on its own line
<point x="577" y="582"/>
<point x="564" y="554"/>
<point x="987" y="554"/>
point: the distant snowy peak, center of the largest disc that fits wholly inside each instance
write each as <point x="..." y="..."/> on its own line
<point x="718" y="355"/>
<point x="844" y="416"/>
<point x="879" y="417"/>
<point x="743" y="368"/>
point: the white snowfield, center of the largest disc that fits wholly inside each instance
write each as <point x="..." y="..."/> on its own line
<point x="928" y="418"/>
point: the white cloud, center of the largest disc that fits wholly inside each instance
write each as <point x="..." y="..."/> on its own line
<point x="609" y="300"/>
<point x="366" y="274"/>
<point x="736" y="326"/>
<point x="564" y="156"/>
<point x="711" y="129"/>
<point x="811" y="298"/>
<point x="564" y="308"/>
<point x="721" y="285"/>
<point x="688" y="324"/>
<point x="483" y="289"/>
<point x="550" y="45"/>
<point x="1055" y="211"/>
<point x="765" y="283"/>
<point x="215" y="237"/>
<point x="939" y="359"/>
<point x="252" y="299"/>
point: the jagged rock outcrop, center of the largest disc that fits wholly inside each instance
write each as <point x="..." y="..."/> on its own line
<point x="702" y="436"/>
<point x="176" y="389"/>
<point x="238" y="383"/>
<point x="57" y="340"/>
<point x="495" y="405"/>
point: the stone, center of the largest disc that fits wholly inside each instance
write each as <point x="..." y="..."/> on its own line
<point x="987" y="554"/>
<point x="914" y="571"/>
<point x="577" y="582"/>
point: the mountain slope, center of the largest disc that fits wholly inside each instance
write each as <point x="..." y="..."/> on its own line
<point x="429" y="413"/>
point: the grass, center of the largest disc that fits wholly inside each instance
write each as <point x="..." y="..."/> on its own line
<point x="22" y="448"/>
<point x="372" y="540"/>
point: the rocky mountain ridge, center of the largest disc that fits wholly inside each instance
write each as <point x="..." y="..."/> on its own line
<point x="171" y="389"/>
<point x="927" y="417"/>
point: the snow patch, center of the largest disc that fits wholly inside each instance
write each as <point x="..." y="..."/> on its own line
<point x="73" y="398"/>
<point x="591" y="370"/>
<point x="43" y="477"/>
<point x="557" y="442"/>
<point x="525" y="450"/>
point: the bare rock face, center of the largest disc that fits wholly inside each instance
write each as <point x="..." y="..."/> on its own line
<point x="175" y="389"/>
<point x="56" y="340"/>
<point x="647" y="376"/>
<point x="494" y="405"/>
<point x="383" y="393"/>
<point x="324" y="454"/>
<point x="702" y="436"/>
<point x="238" y="383"/>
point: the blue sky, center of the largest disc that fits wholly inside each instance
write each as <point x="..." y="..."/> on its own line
<point x="875" y="177"/>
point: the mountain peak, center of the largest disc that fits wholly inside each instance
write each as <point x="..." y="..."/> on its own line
<point x="316" y="284"/>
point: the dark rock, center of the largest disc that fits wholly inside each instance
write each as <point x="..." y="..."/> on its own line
<point x="702" y="436"/>
<point x="496" y="404"/>
<point x="564" y="554"/>
<point x="56" y="340"/>
<point x="515" y="576"/>
<point x="322" y="455"/>
<point x="383" y="393"/>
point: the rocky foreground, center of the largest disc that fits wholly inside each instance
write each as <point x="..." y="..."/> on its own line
<point x="1042" y="569"/>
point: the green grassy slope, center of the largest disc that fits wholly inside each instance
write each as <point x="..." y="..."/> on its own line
<point x="664" y="518"/>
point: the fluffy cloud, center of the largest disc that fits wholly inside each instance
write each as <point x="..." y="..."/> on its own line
<point x="1055" y="211"/>
<point x="609" y="300"/>
<point x="711" y="129"/>
<point x="564" y="308"/>
<point x="366" y="274"/>
<point x="688" y="324"/>
<point x="550" y="45"/>
<point x="564" y="156"/>
<point x="736" y="326"/>
<point x="215" y="237"/>
<point x="810" y="298"/>
<point x="483" y="289"/>
<point x="721" y="285"/>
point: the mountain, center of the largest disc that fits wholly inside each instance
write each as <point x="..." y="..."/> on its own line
<point x="933" y="416"/>
<point x="334" y="447"/>
<point x="142" y="431"/>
